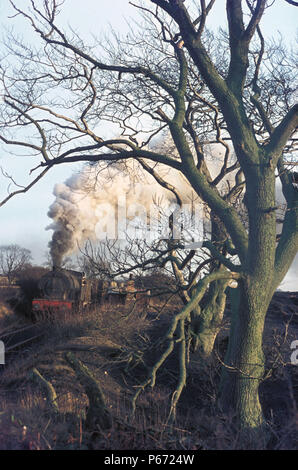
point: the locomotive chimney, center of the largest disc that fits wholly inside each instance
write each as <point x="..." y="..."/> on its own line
<point x="56" y="267"/>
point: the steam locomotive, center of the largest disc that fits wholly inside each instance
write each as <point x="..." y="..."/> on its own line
<point x="67" y="290"/>
<point x="62" y="289"/>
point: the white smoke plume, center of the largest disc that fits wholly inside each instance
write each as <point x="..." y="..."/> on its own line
<point x="91" y="195"/>
<point x="77" y="209"/>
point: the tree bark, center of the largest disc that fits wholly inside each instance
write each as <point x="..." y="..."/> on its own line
<point x="210" y="320"/>
<point x="48" y="388"/>
<point x="244" y="362"/>
<point x="208" y="323"/>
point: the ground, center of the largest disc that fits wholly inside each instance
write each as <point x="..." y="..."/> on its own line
<point x="117" y="344"/>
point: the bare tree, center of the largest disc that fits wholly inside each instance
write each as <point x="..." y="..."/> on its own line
<point x="232" y="96"/>
<point x="13" y="260"/>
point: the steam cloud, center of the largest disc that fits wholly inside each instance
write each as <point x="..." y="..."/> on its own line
<point x="75" y="211"/>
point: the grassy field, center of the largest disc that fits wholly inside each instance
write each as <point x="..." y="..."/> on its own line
<point x="117" y="345"/>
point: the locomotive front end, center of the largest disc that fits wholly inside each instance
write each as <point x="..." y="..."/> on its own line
<point x="60" y="291"/>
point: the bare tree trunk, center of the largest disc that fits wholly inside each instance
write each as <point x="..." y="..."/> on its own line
<point x="213" y="304"/>
<point x="244" y="362"/>
<point x="244" y="369"/>
<point x="210" y="320"/>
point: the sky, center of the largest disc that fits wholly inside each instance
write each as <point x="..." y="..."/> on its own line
<point x="23" y="220"/>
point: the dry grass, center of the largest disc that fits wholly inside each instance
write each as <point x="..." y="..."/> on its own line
<point x="116" y="345"/>
<point x="9" y="317"/>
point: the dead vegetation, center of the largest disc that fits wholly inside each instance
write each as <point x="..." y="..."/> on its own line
<point x="73" y="388"/>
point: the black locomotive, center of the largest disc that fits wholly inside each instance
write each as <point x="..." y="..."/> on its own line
<point x="62" y="289"/>
<point x="69" y="291"/>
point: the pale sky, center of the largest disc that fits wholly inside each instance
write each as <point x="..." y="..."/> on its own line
<point x="24" y="218"/>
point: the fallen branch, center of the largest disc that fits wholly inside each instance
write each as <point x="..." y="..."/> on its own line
<point x="50" y="392"/>
<point x="97" y="414"/>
